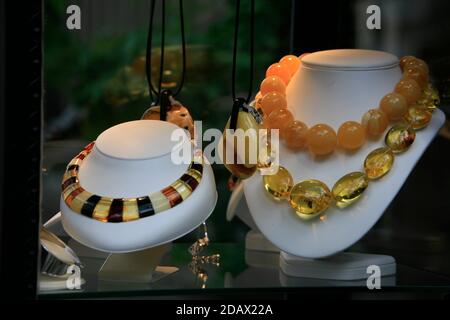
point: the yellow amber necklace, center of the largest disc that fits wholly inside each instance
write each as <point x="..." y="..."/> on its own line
<point x="309" y="198"/>
<point x="411" y="97"/>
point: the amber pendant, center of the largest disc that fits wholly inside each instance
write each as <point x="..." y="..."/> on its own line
<point x="177" y="114"/>
<point x="240" y="149"/>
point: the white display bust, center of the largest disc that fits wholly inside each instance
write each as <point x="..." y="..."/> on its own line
<point x="133" y="159"/>
<point x="333" y="87"/>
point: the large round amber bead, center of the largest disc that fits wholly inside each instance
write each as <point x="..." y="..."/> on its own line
<point x="417" y="63"/>
<point x="322" y="139"/>
<point x="404" y="60"/>
<point x="351" y="135"/>
<point x="400" y="137"/>
<point x="279" y="119"/>
<point x="272" y="83"/>
<point x="410" y="89"/>
<point x="291" y="63"/>
<point x="416" y="74"/>
<point x="375" y="121"/>
<point x="295" y="135"/>
<point x="418" y="117"/>
<point x="279" y="185"/>
<point x="309" y="198"/>
<point x="272" y="101"/>
<point x="279" y="70"/>
<point x="394" y="105"/>
<point x="349" y="188"/>
<point x="378" y="163"/>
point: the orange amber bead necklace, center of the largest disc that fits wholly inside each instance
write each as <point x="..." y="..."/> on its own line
<point x="411" y="96"/>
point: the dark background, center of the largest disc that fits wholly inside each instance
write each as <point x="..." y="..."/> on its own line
<point x="88" y="88"/>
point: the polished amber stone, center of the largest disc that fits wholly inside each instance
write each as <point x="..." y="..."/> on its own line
<point x="394" y="105"/>
<point x="417" y="63"/>
<point x="322" y="139"/>
<point x="349" y="188"/>
<point x="378" y="163"/>
<point x="273" y="101"/>
<point x="291" y="63"/>
<point x="295" y="135"/>
<point x="279" y="185"/>
<point x="410" y="89"/>
<point x="309" y="198"/>
<point x="416" y="74"/>
<point x="272" y="83"/>
<point x="430" y="98"/>
<point x="404" y="60"/>
<point x="418" y="117"/>
<point x="279" y="119"/>
<point x="375" y="121"/>
<point x="243" y="157"/>
<point x="351" y="135"/>
<point x="279" y="70"/>
<point x="400" y="137"/>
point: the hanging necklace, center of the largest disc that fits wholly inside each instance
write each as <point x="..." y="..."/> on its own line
<point x="243" y="116"/>
<point x="411" y="94"/>
<point x="164" y="107"/>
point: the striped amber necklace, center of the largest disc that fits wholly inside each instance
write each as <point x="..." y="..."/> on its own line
<point x="107" y="209"/>
<point x="412" y="97"/>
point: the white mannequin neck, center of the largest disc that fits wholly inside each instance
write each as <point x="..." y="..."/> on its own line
<point x="340" y="85"/>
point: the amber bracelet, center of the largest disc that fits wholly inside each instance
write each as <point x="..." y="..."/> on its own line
<point x="126" y="209"/>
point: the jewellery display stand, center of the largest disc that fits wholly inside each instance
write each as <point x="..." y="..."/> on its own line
<point x="333" y="87"/>
<point x="130" y="160"/>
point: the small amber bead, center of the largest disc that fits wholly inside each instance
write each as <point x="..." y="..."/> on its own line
<point x="351" y="135"/>
<point x="378" y="163"/>
<point x="349" y="188"/>
<point x="291" y="63"/>
<point x="375" y="122"/>
<point x="322" y="139"/>
<point x="295" y="135"/>
<point x="418" y="117"/>
<point x="279" y="185"/>
<point x="417" y="63"/>
<point x="309" y="198"/>
<point x="273" y="101"/>
<point x="410" y="89"/>
<point x="404" y="60"/>
<point x="279" y="70"/>
<point x="400" y="137"/>
<point x="394" y="105"/>
<point x="272" y="83"/>
<point x="279" y="119"/>
<point x="416" y="74"/>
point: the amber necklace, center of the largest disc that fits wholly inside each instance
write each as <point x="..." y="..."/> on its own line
<point x="411" y="94"/>
<point x="310" y="198"/>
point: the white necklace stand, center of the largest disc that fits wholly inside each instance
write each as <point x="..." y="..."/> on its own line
<point x="333" y="87"/>
<point x="133" y="159"/>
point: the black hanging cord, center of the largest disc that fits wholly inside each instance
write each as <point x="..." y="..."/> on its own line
<point x="152" y="89"/>
<point x="238" y="103"/>
<point x="292" y="27"/>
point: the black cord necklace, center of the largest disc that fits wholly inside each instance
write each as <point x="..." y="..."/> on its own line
<point x="163" y="96"/>
<point x="239" y="102"/>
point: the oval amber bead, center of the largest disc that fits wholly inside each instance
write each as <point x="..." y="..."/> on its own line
<point x="418" y="117"/>
<point x="279" y="185"/>
<point x="400" y="137"/>
<point x="349" y="188"/>
<point x="378" y="163"/>
<point x="309" y="198"/>
<point x="431" y="96"/>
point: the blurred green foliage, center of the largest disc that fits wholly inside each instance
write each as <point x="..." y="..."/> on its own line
<point x="81" y="71"/>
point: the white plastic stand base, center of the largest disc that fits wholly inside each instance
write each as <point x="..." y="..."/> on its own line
<point x="138" y="266"/>
<point x="255" y="240"/>
<point x="342" y="266"/>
